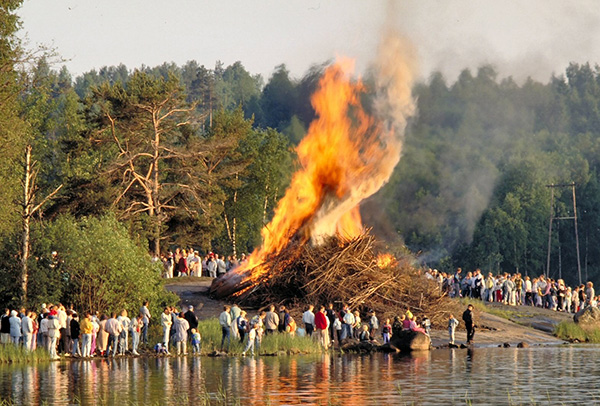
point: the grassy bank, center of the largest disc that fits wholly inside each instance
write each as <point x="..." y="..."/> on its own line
<point x="570" y="331"/>
<point x="481" y="306"/>
<point x="271" y="344"/>
<point x="16" y="354"/>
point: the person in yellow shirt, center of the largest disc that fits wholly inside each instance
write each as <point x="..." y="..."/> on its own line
<point x="86" y="328"/>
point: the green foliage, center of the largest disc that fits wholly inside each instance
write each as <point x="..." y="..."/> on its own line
<point x="13" y="129"/>
<point x="102" y="269"/>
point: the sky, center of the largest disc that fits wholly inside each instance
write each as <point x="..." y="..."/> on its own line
<point x="525" y="38"/>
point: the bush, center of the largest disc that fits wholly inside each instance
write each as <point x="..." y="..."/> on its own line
<point x="102" y="269"/>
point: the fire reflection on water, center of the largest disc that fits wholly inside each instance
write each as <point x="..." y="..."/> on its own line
<point x="323" y="379"/>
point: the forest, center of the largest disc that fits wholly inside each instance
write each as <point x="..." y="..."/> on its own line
<point x="112" y="166"/>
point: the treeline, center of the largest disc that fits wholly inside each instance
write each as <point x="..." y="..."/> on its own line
<point x="471" y="189"/>
<point x="191" y="155"/>
<point x="174" y="155"/>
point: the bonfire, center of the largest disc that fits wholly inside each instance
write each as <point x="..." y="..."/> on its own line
<point x="316" y="249"/>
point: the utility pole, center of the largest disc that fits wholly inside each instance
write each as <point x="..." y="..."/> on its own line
<point x="552" y="218"/>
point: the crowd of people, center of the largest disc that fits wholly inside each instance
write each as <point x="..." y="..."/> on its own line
<point x="516" y="289"/>
<point x="63" y="331"/>
<point x="188" y="262"/>
<point x="327" y="325"/>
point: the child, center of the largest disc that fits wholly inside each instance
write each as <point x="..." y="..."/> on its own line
<point x="196" y="341"/>
<point x="337" y="326"/>
<point x="251" y="339"/>
<point x="160" y="349"/>
<point x="374" y="323"/>
<point x="364" y="335"/>
<point x="386" y="331"/>
<point x="452" y="324"/>
<point x="426" y="324"/>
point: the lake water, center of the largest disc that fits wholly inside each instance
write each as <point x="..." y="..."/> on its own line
<point x="482" y="376"/>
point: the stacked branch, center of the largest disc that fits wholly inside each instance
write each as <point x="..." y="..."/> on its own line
<point x="346" y="271"/>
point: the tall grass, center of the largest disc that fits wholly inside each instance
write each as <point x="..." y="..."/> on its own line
<point x="10" y="353"/>
<point x="569" y="331"/>
<point x="210" y="330"/>
<point x="481" y="306"/>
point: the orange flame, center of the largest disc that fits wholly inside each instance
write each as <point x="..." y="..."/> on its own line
<point x="385" y="260"/>
<point x="345" y="157"/>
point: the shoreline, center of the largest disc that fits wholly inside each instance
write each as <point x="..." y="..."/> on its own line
<point x="517" y="324"/>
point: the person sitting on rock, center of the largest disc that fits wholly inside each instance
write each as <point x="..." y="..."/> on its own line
<point x="415" y="327"/>
<point x="405" y="322"/>
<point x="364" y="336"/>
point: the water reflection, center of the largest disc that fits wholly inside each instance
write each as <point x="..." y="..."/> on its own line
<point x="480" y="376"/>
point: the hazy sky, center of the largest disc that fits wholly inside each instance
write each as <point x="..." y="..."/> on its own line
<point x="522" y="38"/>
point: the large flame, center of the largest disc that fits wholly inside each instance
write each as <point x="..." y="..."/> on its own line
<point x="346" y="156"/>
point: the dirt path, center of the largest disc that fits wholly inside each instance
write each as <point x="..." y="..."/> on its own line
<point x="524" y="323"/>
<point x="194" y="291"/>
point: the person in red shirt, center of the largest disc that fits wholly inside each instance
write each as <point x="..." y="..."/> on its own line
<point x="322" y="327"/>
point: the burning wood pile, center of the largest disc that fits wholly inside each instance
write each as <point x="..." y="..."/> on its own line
<point x="315" y="249"/>
<point x="344" y="271"/>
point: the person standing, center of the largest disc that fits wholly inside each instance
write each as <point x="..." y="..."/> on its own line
<point x="192" y="320"/>
<point x="75" y="329"/>
<point x="271" y="320"/>
<point x="374" y="324"/>
<point x="221" y="266"/>
<point x="452" y="325"/>
<point x="322" y="327"/>
<point x="113" y="327"/>
<point x="469" y="324"/>
<point x="53" y="334"/>
<point x="5" y="327"/>
<point x="124" y="335"/>
<point x="166" y="321"/>
<point x="87" y="327"/>
<point x="241" y="325"/>
<point x="102" y="337"/>
<point x="63" y="344"/>
<point x="147" y="317"/>
<point x="308" y="318"/>
<point x="211" y="265"/>
<point x="181" y="334"/>
<point x="235" y="313"/>
<point x="331" y="316"/>
<point x="15" y="327"/>
<point x="136" y="329"/>
<point x="27" y="329"/>
<point x="347" y="322"/>
<point x="225" y="321"/>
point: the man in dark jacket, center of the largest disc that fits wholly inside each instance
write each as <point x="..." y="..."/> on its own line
<point x="192" y="320"/>
<point x="5" y="327"/>
<point x="469" y="324"/>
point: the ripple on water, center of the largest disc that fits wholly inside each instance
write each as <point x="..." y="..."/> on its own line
<point x="537" y="375"/>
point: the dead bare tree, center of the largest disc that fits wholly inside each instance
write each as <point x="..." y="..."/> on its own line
<point x="29" y="207"/>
